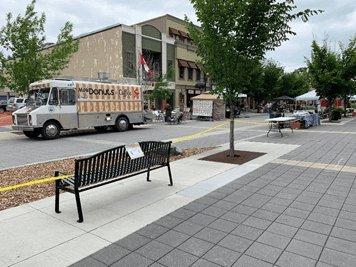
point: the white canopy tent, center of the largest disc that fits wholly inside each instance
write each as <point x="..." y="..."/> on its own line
<point x="310" y="96"/>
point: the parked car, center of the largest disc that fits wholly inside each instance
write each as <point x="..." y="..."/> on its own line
<point x="15" y="103"/>
<point x="3" y="104"/>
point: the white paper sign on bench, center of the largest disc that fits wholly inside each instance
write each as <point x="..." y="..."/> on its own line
<point x="134" y="151"/>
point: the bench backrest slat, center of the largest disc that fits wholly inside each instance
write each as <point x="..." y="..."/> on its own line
<point x="111" y="162"/>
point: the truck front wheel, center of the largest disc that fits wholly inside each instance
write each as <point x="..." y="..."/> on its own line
<point x="32" y="134"/>
<point x="50" y="130"/>
<point x="122" y="124"/>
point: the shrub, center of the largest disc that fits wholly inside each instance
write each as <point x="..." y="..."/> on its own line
<point x="336" y="114"/>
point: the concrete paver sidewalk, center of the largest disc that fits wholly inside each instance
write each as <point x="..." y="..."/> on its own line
<point x="294" y="206"/>
<point x="299" y="210"/>
<point x="35" y="235"/>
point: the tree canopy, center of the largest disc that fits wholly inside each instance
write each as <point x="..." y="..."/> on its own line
<point x="293" y="84"/>
<point x="161" y="90"/>
<point x="269" y="81"/>
<point x="333" y="74"/>
<point x="25" y="58"/>
<point x="348" y="67"/>
<point x="272" y="74"/>
<point x="235" y="35"/>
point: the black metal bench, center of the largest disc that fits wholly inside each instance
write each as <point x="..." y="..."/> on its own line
<point x="110" y="166"/>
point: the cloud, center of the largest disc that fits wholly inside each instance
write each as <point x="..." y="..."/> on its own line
<point x="338" y="22"/>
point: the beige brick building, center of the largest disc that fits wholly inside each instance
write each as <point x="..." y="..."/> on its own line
<point x="114" y="53"/>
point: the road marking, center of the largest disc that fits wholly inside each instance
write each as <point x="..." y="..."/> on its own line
<point x="198" y="134"/>
<point x="208" y="131"/>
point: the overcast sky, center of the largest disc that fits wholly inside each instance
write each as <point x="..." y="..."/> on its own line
<point x="338" y="22"/>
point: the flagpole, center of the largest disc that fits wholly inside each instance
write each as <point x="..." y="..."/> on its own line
<point x="139" y="70"/>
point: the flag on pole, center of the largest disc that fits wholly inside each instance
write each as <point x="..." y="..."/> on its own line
<point x="144" y="63"/>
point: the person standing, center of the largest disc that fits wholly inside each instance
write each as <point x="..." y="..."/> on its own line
<point x="168" y="112"/>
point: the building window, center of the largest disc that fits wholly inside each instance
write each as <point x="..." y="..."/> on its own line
<point x="129" y="55"/>
<point x="169" y="64"/>
<point x="181" y="72"/>
<point x="170" y="70"/>
<point x="190" y="74"/>
<point x="129" y="67"/>
<point x="197" y="71"/>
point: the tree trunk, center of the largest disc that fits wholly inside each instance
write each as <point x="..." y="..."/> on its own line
<point x="232" y="130"/>
<point x="345" y="104"/>
<point x="330" y="106"/>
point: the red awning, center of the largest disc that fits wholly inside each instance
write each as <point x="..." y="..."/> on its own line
<point x="173" y="31"/>
<point x="184" y="34"/>
<point x="183" y="63"/>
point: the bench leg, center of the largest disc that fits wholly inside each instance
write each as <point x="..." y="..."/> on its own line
<point x="148" y="174"/>
<point x="57" y="185"/>
<point x="170" y="175"/>
<point x="270" y="128"/>
<point x="79" y="206"/>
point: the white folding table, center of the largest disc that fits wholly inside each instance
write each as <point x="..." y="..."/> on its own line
<point x="280" y="123"/>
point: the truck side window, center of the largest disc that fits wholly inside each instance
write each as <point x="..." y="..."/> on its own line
<point x="71" y="96"/>
<point x="53" y="100"/>
<point x="67" y="97"/>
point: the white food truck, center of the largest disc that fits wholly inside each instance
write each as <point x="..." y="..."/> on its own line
<point x="57" y="105"/>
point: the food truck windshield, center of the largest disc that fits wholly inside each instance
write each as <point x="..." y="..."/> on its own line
<point x="38" y="97"/>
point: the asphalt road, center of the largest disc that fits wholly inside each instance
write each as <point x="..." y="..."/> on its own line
<point x="18" y="150"/>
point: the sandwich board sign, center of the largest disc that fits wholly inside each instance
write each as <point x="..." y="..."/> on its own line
<point x="203" y="108"/>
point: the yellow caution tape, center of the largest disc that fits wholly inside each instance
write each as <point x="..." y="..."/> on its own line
<point x="34" y="182"/>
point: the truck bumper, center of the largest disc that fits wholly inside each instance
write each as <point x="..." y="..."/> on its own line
<point x="23" y="128"/>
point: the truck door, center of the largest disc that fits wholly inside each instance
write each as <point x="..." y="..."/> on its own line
<point x="68" y="109"/>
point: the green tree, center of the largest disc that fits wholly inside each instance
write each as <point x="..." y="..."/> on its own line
<point x="272" y="74"/>
<point x="325" y="72"/>
<point x="256" y="88"/>
<point x="235" y="35"/>
<point x="348" y="70"/>
<point x="293" y="84"/>
<point x="160" y="90"/>
<point x="24" y="59"/>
